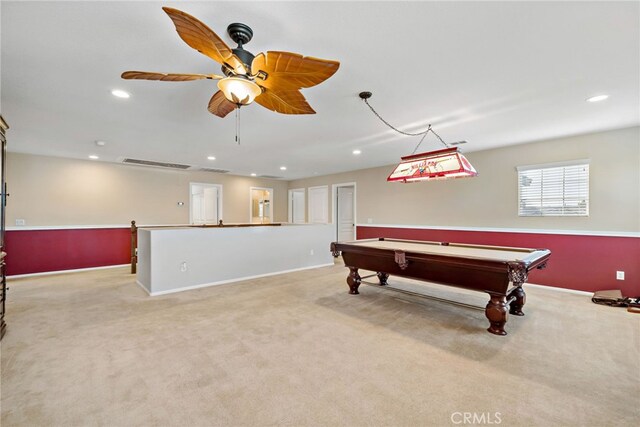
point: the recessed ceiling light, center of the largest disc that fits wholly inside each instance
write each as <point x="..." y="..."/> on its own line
<point x="120" y="93"/>
<point x="254" y="174"/>
<point x="100" y="143"/>
<point x="211" y="158"/>
<point x="356" y="152"/>
<point x="94" y="157"/>
<point x="597" y="98"/>
<point x="283" y="168"/>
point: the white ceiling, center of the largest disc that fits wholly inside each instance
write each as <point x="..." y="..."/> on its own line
<point x="491" y="73"/>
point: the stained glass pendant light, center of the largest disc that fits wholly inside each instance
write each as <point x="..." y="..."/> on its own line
<point x="428" y="166"/>
<point x="440" y="164"/>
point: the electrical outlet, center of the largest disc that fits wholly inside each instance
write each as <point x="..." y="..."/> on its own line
<point x="311" y="252"/>
<point x="21" y="222"/>
<point x="183" y="266"/>
<point x="369" y="220"/>
<point x="619" y="275"/>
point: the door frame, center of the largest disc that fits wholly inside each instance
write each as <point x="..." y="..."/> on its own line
<point x="334" y="205"/>
<point x="290" y="203"/>
<point x="204" y="184"/>
<point x="270" y="190"/>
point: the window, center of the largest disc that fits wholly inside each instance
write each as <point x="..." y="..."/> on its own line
<point x="558" y="189"/>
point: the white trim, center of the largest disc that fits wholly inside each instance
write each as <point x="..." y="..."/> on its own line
<point x="77" y="270"/>
<point x="565" y="290"/>
<point x="511" y="230"/>
<point x="64" y="227"/>
<point x="80" y="270"/>
<point x="425" y="227"/>
<point x="142" y="286"/>
<point x="553" y="165"/>
<point x="86" y="227"/>
<point x="239" y="279"/>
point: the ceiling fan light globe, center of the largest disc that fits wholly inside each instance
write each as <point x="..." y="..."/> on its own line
<point x="239" y="90"/>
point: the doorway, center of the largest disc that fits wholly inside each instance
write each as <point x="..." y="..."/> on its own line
<point x="344" y="211"/>
<point x="205" y="205"/>
<point x="260" y="205"/>
<point x="297" y="214"/>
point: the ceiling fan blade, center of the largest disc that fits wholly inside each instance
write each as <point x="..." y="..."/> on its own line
<point x="286" y="70"/>
<point x="202" y="38"/>
<point x="172" y="77"/>
<point x="219" y="105"/>
<point x="284" y="101"/>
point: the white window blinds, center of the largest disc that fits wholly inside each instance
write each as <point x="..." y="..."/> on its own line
<point x="554" y="189"/>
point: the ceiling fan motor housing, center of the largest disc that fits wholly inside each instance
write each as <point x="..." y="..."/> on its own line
<point x="241" y="34"/>
<point x="245" y="56"/>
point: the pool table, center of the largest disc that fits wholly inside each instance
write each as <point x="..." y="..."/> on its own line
<point x="496" y="270"/>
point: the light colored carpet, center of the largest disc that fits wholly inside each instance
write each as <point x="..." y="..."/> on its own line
<point x="92" y="348"/>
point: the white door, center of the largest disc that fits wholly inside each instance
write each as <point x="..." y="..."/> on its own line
<point x="205" y="203"/>
<point x="319" y="205"/>
<point x="210" y="211"/>
<point x="296" y="206"/>
<point x="346" y="221"/>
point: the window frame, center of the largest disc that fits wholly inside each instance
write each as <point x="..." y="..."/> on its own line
<point x="555" y="165"/>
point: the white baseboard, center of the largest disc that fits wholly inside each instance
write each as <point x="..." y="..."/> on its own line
<point x="77" y="270"/>
<point x="565" y="290"/>
<point x="143" y="287"/>
<point x="239" y="279"/>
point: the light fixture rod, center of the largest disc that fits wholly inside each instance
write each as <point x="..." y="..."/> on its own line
<point x="366" y="95"/>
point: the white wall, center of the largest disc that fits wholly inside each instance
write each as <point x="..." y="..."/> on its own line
<point x="175" y="259"/>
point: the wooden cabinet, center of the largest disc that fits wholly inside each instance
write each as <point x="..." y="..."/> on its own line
<point x="3" y="202"/>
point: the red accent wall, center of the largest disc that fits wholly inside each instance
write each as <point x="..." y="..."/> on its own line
<point x="585" y="263"/>
<point x="38" y="251"/>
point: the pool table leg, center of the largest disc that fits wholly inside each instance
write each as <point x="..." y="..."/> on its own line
<point x="497" y="314"/>
<point x="518" y="303"/>
<point x="353" y="280"/>
<point x="383" y="278"/>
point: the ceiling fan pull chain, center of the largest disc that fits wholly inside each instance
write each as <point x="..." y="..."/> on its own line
<point x="238" y="125"/>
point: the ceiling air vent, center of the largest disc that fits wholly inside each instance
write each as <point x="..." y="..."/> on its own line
<point x="213" y="170"/>
<point x="156" y="164"/>
<point x="270" y="177"/>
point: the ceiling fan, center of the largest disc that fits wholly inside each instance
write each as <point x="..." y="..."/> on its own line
<point x="272" y="79"/>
